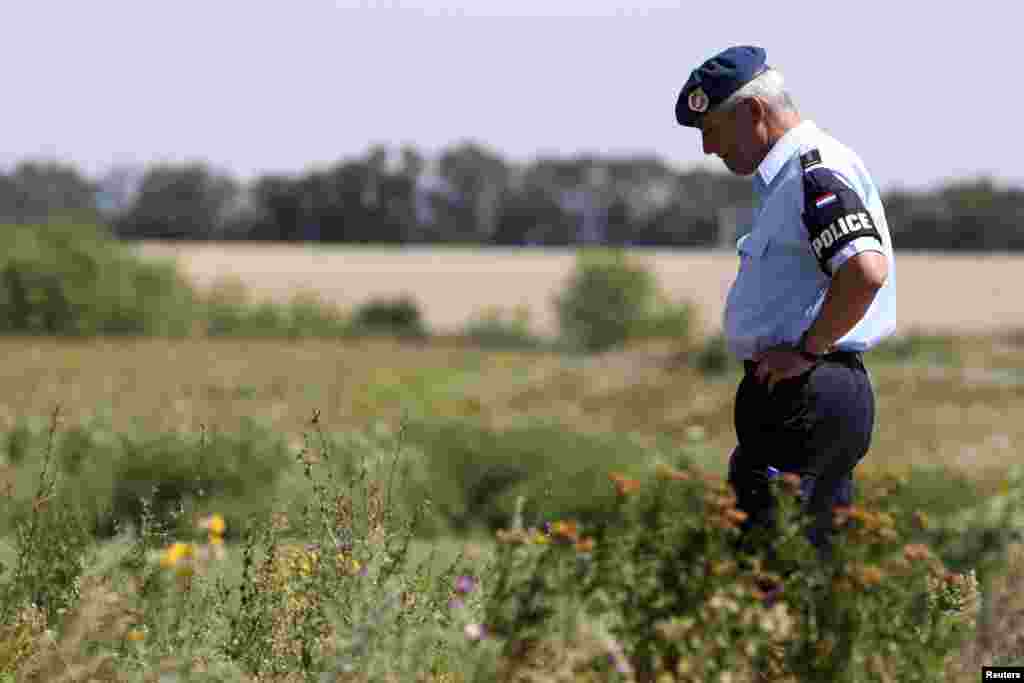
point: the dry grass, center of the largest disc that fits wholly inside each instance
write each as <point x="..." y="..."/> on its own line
<point x="968" y="417"/>
<point x="958" y="293"/>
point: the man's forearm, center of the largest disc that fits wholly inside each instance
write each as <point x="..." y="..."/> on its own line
<point x="848" y="298"/>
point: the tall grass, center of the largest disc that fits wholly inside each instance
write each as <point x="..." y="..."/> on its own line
<point x="337" y="586"/>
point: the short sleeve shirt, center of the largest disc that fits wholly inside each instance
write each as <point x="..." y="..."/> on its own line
<point x="818" y="207"/>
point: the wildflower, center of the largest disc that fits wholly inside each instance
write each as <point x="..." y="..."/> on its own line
<point x="915" y="552"/>
<point x="135" y="635"/>
<point x="215" y="524"/>
<point x="617" y="657"/>
<point x="456" y="604"/>
<point x="564" y="531"/>
<point x="585" y="545"/>
<point x="624" y="486"/>
<point x="175" y="554"/>
<point x="348" y="565"/>
<point x="921" y="520"/>
<point x="868" y="575"/>
<point x="737" y="516"/>
<point x="215" y="539"/>
<point x="465" y="584"/>
<point x="475" y="631"/>
<point x="537" y="537"/>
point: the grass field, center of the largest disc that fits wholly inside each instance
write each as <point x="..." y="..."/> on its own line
<point x="955" y="293"/>
<point x="952" y="403"/>
<point x="962" y="410"/>
<point x="485" y="427"/>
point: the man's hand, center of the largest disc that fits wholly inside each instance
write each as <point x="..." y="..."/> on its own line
<point x="781" y="362"/>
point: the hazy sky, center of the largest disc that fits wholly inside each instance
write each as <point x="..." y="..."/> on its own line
<point x="924" y="91"/>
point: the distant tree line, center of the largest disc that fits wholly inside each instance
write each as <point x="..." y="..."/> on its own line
<point x="469" y="195"/>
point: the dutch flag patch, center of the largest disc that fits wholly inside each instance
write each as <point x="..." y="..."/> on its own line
<point x="825" y="199"/>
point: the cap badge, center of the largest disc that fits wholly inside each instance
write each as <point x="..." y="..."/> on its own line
<point x="698" y="100"/>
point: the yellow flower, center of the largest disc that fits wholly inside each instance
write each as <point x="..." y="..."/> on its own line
<point x="348" y="565"/>
<point x="175" y="553"/>
<point x="538" y="538"/>
<point x="216" y="539"/>
<point x="921" y="520"/>
<point x="135" y="635"/>
<point x="215" y="524"/>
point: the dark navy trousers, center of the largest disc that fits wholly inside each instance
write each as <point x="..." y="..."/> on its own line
<point x="817" y="425"/>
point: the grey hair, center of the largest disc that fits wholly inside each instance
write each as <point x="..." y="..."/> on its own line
<point x="768" y="87"/>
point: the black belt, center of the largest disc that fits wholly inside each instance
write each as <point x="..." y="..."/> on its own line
<point x="848" y="358"/>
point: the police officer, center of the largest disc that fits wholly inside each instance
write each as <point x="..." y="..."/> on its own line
<point x="814" y="291"/>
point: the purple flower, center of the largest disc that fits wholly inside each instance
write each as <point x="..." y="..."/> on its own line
<point x="772" y="595"/>
<point x="456" y="603"/>
<point x="465" y="584"/>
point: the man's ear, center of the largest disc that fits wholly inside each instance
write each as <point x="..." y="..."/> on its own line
<point x="755" y="107"/>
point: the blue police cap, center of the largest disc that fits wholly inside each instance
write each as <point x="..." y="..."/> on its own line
<point x="712" y="82"/>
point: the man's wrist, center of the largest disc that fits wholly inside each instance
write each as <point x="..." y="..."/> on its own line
<point x="807" y="349"/>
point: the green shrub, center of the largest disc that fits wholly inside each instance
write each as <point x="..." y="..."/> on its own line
<point x="713" y="357"/>
<point x="398" y="316"/>
<point x="491" y="329"/>
<point x="609" y="301"/>
<point x="51" y="541"/>
<point x="661" y="581"/>
<point x="230" y="312"/>
<point x="75" y="280"/>
<point x="476" y="474"/>
<point x="109" y="476"/>
<point x="917" y="347"/>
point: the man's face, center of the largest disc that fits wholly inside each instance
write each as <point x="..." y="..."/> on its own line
<point x="734" y="137"/>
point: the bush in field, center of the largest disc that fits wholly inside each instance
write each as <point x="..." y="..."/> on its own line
<point x="661" y="583"/>
<point x="230" y="312"/>
<point x="609" y="301"/>
<point x="74" y="279"/>
<point x="474" y="474"/>
<point x="713" y="357"/>
<point x="916" y="346"/>
<point x="398" y="316"/>
<point x="328" y="593"/>
<point x="491" y="329"/>
<point x="109" y="477"/>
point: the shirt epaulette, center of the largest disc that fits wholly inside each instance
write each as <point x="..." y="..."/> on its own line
<point x="810" y="159"/>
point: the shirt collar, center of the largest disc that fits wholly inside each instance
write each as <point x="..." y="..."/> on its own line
<point x="784" y="149"/>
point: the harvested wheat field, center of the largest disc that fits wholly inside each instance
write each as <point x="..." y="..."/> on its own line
<point x="945" y="293"/>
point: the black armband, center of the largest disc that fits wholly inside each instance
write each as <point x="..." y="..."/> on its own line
<point x="834" y="215"/>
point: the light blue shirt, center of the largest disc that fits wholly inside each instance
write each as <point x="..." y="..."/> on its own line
<point x="781" y="284"/>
